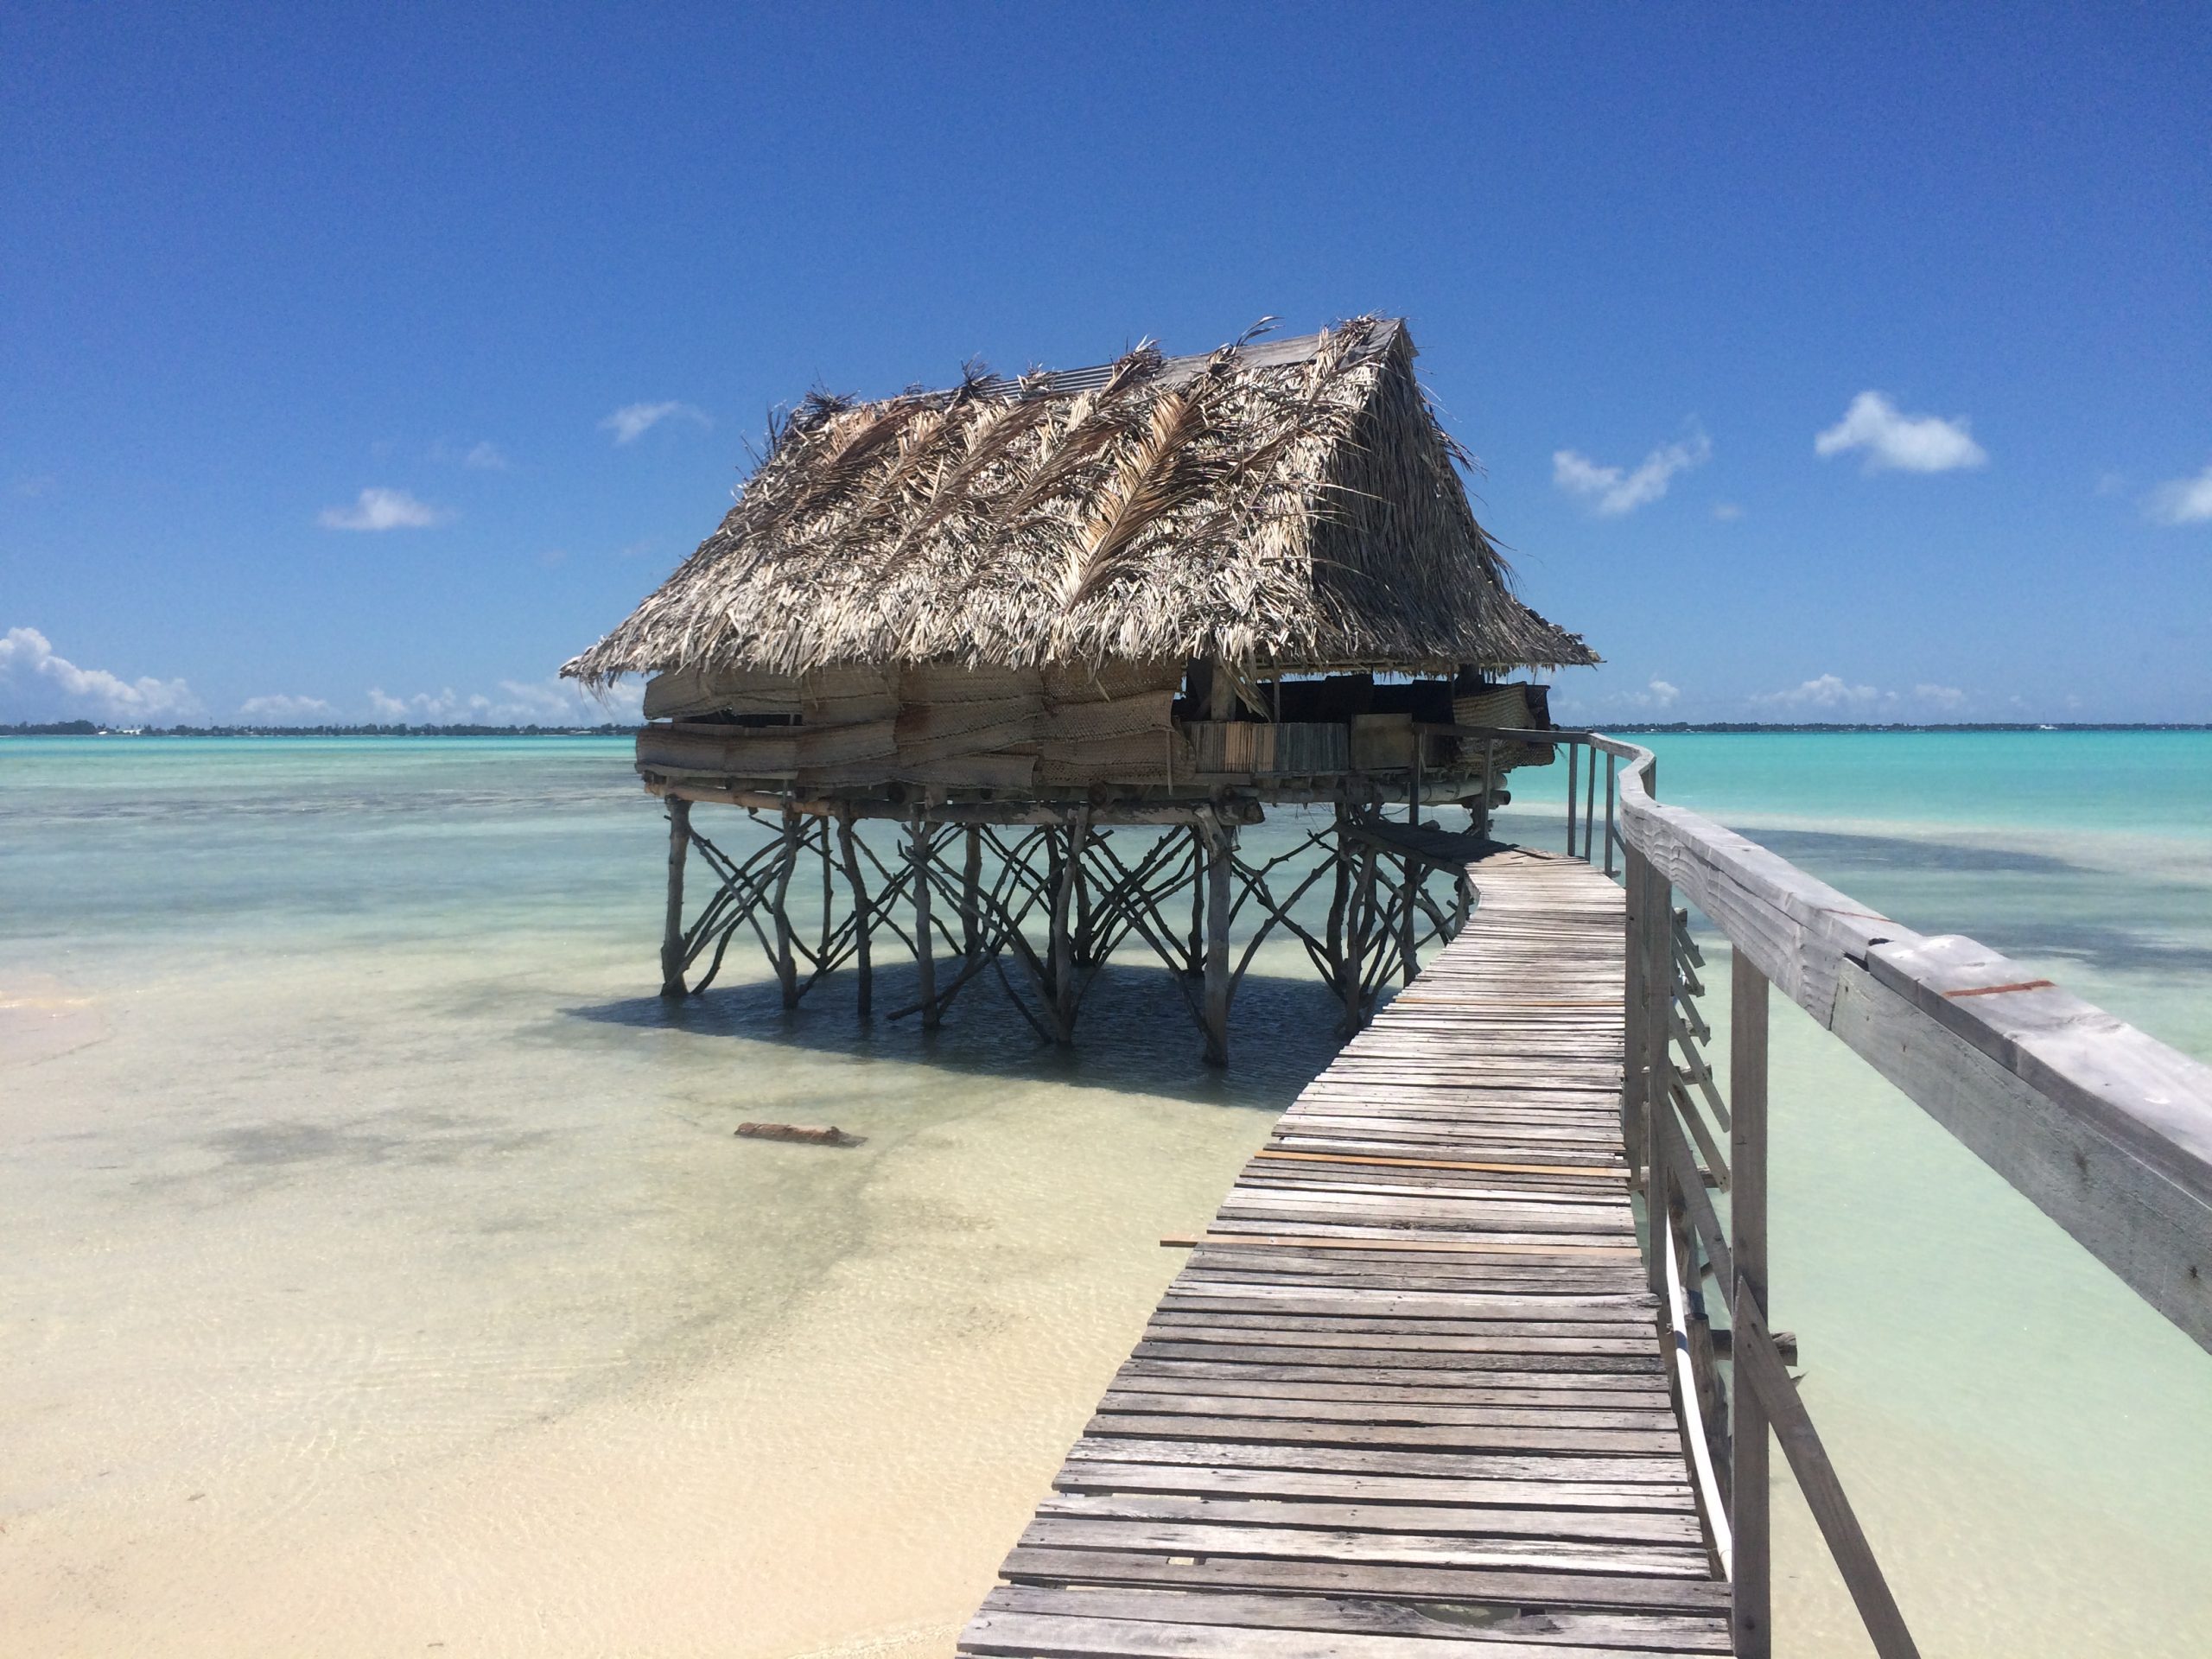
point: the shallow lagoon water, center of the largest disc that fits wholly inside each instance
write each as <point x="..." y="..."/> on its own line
<point x="383" y="1273"/>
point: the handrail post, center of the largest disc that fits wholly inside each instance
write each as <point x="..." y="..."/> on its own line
<point x="1572" y="755"/>
<point x="1657" y="927"/>
<point x="1590" y="806"/>
<point x="1632" y="1119"/>
<point x="1612" y="765"/>
<point x="1752" y="1612"/>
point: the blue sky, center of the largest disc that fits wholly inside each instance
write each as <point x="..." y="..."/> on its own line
<point x="318" y="329"/>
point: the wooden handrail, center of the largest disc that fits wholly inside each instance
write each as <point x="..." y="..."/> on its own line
<point x="2107" y="1130"/>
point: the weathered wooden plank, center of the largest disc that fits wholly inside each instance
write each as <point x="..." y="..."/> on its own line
<point x="1033" y="1636"/>
<point x="1665" y="1471"/>
<point x="1654" y="1442"/>
<point x="1211" y="1480"/>
<point x="1337" y="1514"/>
<point x="1673" y="1632"/>
<point x="1412" y="1358"/>
<point x="1426" y="1582"/>
<point x="1341" y="1545"/>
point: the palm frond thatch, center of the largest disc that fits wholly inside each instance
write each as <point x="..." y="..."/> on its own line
<point x="1280" y="504"/>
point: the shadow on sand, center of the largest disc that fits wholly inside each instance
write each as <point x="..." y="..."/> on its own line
<point x="1134" y="1034"/>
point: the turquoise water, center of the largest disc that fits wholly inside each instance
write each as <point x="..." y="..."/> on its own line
<point x="384" y="1272"/>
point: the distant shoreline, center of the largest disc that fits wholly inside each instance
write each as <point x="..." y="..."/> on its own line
<point x="1718" y="727"/>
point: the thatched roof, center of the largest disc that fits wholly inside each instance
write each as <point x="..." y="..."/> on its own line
<point x="1282" y="504"/>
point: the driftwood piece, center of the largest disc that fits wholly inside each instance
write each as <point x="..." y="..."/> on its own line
<point x="815" y="1134"/>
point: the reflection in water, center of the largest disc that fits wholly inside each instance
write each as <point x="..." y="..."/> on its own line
<point x="389" y="1277"/>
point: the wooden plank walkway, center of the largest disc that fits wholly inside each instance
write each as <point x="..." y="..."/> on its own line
<point x="1406" y="1399"/>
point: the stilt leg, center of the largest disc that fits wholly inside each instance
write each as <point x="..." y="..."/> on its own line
<point x="1360" y="930"/>
<point x="1408" y="967"/>
<point x="829" y="892"/>
<point x="1061" y="959"/>
<point x="671" y="938"/>
<point x="971" y="890"/>
<point x="860" y="918"/>
<point x="786" y="964"/>
<point x="1197" y="952"/>
<point x="1085" y="947"/>
<point x="1219" y="840"/>
<point x="917" y="852"/>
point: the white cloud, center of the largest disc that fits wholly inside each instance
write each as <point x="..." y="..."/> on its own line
<point x="28" y="658"/>
<point x="1943" y="696"/>
<point x="281" y="706"/>
<point x="483" y="457"/>
<point x="1907" y="444"/>
<point x="520" y="702"/>
<point x="2182" y="500"/>
<point x="1614" y="491"/>
<point x="1828" y="691"/>
<point x="1726" y="511"/>
<point x="1658" y="694"/>
<point x="632" y="420"/>
<point x="381" y="509"/>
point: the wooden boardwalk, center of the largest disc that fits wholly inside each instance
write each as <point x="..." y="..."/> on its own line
<point x="1407" y="1398"/>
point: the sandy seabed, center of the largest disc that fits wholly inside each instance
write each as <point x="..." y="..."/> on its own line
<point x="383" y="1276"/>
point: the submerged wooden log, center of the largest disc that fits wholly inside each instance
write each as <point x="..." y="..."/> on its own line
<point x="819" y="1134"/>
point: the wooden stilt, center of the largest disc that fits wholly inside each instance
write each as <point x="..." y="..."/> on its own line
<point x="1085" y="939"/>
<point x="917" y="854"/>
<point x="671" y="938"/>
<point x="1062" y="945"/>
<point x="1197" y="952"/>
<point x="971" y="890"/>
<point x="828" y="891"/>
<point x="1357" y="934"/>
<point x="1407" y="966"/>
<point x="1339" y="906"/>
<point x="786" y="964"/>
<point x="1219" y="840"/>
<point x="862" y="963"/>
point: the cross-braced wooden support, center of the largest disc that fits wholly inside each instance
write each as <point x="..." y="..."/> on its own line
<point x="1045" y="903"/>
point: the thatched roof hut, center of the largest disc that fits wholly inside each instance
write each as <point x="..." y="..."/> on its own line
<point x="1284" y="506"/>
<point x="1156" y="592"/>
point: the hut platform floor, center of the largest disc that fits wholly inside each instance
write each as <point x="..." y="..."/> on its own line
<point x="1406" y="1399"/>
